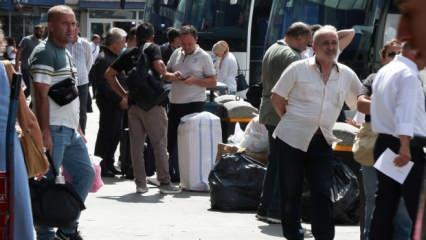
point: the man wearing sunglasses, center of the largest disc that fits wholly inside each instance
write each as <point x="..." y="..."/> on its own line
<point x="398" y="116"/>
<point x="366" y="138"/>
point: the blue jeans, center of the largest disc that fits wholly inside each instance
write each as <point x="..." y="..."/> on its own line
<point x="70" y="151"/>
<point x="401" y="221"/>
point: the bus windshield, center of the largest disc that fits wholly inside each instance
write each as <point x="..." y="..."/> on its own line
<point x="161" y="15"/>
<point x="362" y="15"/>
<point x="216" y="20"/>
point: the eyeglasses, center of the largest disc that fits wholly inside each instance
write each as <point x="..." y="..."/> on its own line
<point x="392" y="54"/>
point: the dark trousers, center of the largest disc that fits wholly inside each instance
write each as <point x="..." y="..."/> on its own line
<point x="110" y="128"/>
<point x="269" y="205"/>
<point x="26" y="76"/>
<point x="83" y="95"/>
<point x="176" y="112"/>
<point x="316" y="165"/>
<point x="389" y="192"/>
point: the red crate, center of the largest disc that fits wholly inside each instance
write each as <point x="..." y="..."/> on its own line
<point x="4" y="205"/>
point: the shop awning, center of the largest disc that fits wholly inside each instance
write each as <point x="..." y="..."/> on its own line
<point x="42" y="2"/>
<point x="111" y="5"/>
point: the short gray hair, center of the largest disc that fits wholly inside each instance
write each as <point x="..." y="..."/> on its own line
<point x="115" y="35"/>
<point x="324" y="30"/>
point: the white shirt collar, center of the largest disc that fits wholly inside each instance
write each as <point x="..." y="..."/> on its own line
<point x="412" y="65"/>
<point x="312" y="61"/>
<point x="195" y="52"/>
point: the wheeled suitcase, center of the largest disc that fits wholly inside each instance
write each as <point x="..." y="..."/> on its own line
<point x="125" y="157"/>
<point x="148" y="155"/>
<point x="198" y="137"/>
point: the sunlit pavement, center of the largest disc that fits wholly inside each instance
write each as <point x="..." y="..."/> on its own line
<point x="116" y="212"/>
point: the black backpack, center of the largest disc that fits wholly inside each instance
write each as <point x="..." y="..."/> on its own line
<point x="146" y="89"/>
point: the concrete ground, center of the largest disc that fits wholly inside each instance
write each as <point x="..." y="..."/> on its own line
<point x="116" y="212"/>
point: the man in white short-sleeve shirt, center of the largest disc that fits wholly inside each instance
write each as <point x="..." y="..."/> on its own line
<point x="51" y="63"/>
<point x="308" y="98"/>
<point x="196" y="74"/>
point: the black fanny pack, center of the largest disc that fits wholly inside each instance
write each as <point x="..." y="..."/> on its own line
<point x="63" y="92"/>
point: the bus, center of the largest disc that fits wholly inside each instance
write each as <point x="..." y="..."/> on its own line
<point x="234" y="21"/>
<point x="374" y="21"/>
<point x="251" y="26"/>
<point x="161" y="14"/>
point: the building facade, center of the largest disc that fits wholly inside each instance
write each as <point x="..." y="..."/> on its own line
<point x="18" y="17"/>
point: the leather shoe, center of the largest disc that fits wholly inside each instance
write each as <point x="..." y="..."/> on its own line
<point x="114" y="170"/>
<point x="107" y="173"/>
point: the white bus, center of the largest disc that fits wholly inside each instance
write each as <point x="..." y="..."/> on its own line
<point x="251" y="26"/>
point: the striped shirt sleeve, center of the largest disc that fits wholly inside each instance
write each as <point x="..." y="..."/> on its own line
<point x="42" y="70"/>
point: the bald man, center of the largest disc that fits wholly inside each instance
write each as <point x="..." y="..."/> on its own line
<point x="51" y="63"/>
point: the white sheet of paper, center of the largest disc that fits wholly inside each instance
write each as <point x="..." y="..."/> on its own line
<point x="385" y="165"/>
<point x="359" y="118"/>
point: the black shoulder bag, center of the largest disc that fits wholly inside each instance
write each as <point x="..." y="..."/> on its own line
<point x="241" y="80"/>
<point x="64" y="91"/>
<point x="54" y="203"/>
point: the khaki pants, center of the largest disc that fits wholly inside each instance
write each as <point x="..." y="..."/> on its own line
<point x="154" y="124"/>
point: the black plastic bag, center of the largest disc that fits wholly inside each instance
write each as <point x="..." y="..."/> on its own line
<point x="345" y="195"/>
<point x="236" y="183"/>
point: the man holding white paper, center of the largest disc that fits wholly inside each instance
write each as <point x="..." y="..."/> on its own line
<point x="398" y="115"/>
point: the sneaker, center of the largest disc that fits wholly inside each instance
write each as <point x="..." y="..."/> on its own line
<point x="307" y="233"/>
<point x="267" y="219"/>
<point x="153" y="181"/>
<point x="261" y="217"/>
<point x="273" y="220"/>
<point x="63" y="236"/>
<point x="141" y="189"/>
<point x="169" y="188"/>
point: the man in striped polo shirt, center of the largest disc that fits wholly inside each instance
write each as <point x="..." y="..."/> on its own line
<point x="51" y="63"/>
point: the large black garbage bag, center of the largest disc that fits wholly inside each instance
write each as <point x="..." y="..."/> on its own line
<point x="236" y="183"/>
<point x="345" y="195"/>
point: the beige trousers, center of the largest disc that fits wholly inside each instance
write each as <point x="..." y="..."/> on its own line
<point x="154" y="124"/>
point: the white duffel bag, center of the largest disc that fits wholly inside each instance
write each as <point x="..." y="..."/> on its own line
<point x="198" y="137"/>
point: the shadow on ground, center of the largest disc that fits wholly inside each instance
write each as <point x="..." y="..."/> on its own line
<point x="271" y="229"/>
<point x="113" y="180"/>
<point x="151" y="197"/>
<point x="188" y="194"/>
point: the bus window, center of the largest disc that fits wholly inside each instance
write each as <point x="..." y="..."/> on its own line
<point x="216" y="20"/>
<point x="161" y="15"/>
<point x="391" y="27"/>
<point x="362" y="15"/>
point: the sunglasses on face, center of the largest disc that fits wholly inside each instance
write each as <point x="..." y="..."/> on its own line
<point x="392" y="54"/>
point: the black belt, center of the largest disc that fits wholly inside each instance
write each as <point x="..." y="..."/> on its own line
<point x="416" y="141"/>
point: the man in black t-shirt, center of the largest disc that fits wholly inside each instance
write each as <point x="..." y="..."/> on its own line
<point x="169" y="47"/>
<point x="142" y="123"/>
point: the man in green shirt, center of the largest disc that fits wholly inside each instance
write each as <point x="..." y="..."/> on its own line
<point x="277" y="58"/>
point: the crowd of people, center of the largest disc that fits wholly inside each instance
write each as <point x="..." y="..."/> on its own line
<point x="304" y="89"/>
